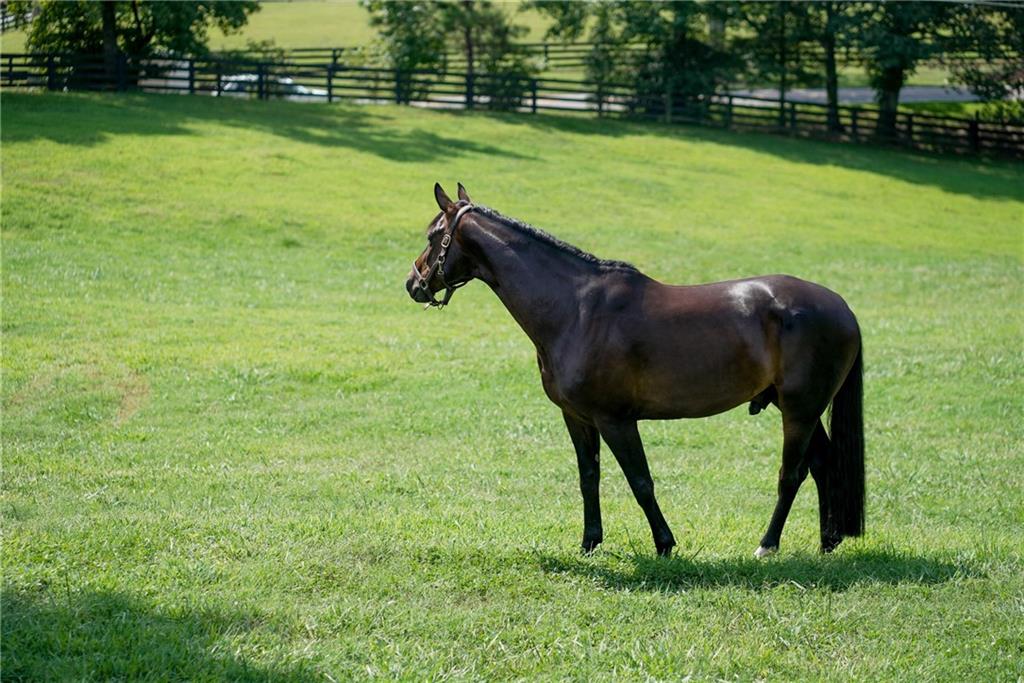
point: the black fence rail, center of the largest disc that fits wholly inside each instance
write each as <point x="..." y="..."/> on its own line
<point x="334" y="81"/>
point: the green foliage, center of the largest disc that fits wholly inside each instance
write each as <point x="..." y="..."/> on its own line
<point x="494" y="52"/>
<point x="893" y="38"/>
<point x="412" y="37"/>
<point x="996" y="36"/>
<point x="233" y="448"/>
<point x="678" y="62"/>
<point x="141" y="28"/>
<point x="418" y="35"/>
<point x="779" y="41"/>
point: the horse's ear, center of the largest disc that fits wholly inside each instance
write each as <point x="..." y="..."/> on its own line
<point x="463" y="195"/>
<point x="444" y="202"/>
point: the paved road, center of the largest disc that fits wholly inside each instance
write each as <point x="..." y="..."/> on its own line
<point x="910" y="93"/>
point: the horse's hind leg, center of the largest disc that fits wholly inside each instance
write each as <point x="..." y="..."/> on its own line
<point x="797" y="435"/>
<point x="817" y="453"/>
<point x="624" y="440"/>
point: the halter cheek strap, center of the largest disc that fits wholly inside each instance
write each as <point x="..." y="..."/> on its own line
<point x="423" y="281"/>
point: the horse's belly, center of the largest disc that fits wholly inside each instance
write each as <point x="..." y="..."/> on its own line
<point x="697" y="382"/>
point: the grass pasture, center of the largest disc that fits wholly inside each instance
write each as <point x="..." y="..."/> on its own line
<point x="234" y="449"/>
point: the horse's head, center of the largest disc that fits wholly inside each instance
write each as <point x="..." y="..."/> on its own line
<point x="443" y="263"/>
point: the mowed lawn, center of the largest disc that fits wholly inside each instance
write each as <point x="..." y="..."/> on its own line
<point x="234" y="448"/>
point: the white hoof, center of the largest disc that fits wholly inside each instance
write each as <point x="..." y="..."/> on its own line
<point x="763" y="552"/>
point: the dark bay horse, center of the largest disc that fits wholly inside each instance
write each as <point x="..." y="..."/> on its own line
<point x="615" y="346"/>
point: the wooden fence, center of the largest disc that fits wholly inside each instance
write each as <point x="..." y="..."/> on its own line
<point x="332" y="81"/>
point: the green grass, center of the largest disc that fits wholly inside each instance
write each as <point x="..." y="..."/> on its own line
<point x="234" y="449"/>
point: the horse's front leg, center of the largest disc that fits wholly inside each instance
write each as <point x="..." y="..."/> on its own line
<point x="587" y="442"/>
<point x="624" y="440"/>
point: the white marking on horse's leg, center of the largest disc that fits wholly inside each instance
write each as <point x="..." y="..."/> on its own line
<point x="763" y="552"/>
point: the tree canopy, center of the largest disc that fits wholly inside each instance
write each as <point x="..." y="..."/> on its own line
<point x="421" y="34"/>
<point x="137" y="28"/>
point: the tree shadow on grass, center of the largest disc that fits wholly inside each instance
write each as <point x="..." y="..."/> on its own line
<point x="91" y="119"/>
<point x="993" y="178"/>
<point x="837" y="572"/>
<point x="107" y="636"/>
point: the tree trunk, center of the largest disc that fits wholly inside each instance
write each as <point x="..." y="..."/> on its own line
<point x="828" y="42"/>
<point x="783" y="60"/>
<point x="109" y="14"/>
<point x="888" y="93"/>
<point x="467" y="33"/>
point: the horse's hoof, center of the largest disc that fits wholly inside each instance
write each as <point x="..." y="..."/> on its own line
<point x="763" y="552"/>
<point x="665" y="550"/>
<point x="589" y="546"/>
<point x="830" y="544"/>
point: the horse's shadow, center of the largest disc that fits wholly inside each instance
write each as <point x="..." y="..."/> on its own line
<point x="837" y="572"/>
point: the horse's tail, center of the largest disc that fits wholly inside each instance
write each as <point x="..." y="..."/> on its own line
<point x="846" y="461"/>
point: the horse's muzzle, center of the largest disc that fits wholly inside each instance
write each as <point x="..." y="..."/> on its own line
<point x="417" y="287"/>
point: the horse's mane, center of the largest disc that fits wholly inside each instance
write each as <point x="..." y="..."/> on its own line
<point x="553" y="241"/>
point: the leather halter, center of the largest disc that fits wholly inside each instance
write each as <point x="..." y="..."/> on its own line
<point x="422" y="282"/>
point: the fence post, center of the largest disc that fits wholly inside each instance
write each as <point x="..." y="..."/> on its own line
<point x="261" y="82"/>
<point x="533" y="95"/>
<point x="330" y="82"/>
<point x="51" y="73"/>
<point x="975" y="134"/>
<point x="398" y="87"/>
<point x="668" y="107"/>
<point x="191" y="76"/>
<point x="853" y="124"/>
<point x="792" y="116"/>
<point x="10" y="71"/>
<point x="219" y="68"/>
<point x="728" y="112"/>
<point x="910" y="129"/>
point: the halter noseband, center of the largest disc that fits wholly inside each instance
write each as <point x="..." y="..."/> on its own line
<point x="422" y="282"/>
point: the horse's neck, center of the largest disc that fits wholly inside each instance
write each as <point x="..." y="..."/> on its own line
<point x="537" y="283"/>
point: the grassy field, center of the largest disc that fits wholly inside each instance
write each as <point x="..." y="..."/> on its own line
<point x="234" y="448"/>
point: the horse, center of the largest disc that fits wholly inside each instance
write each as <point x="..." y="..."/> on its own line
<point x="615" y="346"/>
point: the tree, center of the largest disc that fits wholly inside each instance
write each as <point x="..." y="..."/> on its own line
<point x="989" y="54"/>
<point x="413" y="39"/>
<point x="134" y="28"/>
<point x="893" y="38"/>
<point x="671" y="52"/>
<point x="816" y="32"/>
<point x="140" y="28"/>
<point x="778" y="44"/>
<point x="414" y="36"/>
<point x="830" y="28"/>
